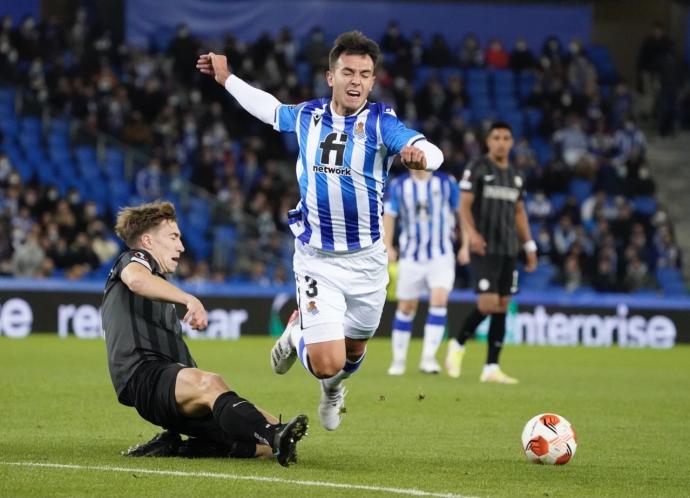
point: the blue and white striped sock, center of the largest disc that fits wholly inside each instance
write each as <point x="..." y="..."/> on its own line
<point x="350" y="368"/>
<point x="400" y="337"/>
<point x="433" y="331"/>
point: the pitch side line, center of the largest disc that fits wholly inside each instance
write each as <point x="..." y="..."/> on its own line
<point x="215" y="475"/>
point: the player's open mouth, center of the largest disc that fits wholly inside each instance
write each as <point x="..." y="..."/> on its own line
<point x="176" y="259"/>
<point x="353" y="93"/>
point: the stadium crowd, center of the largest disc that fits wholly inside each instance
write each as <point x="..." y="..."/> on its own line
<point x="590" y="187"/>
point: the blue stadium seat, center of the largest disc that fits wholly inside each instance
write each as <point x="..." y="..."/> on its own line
<point x="448" y="72"/>
<point x="422" y="75"/>
<point x="668" y="276"/>
<point x="30" y="124"/>
<point x="558" y="200"/>
<point x="478" y="77"/>
<point x="114" y="155"/>
<point x="675" y="289"/>
<point x="503" y="77"/>
<point x="85" y="153"/>
<point x="505" y="102"/>
<point x="480" y="102"/>
<point x="7" y="95"/>
<point x="7" y="110"/>
<point x="466" y="114"/>
<point x="527" y="81"/>
<point x="601" y="58"/>
<point x="304" y="73"/>
<point x="581" y="189"/>
<point x="9" y="126"/>
<point x="114" y="170"/>
<point x="644" y="205"/>
<point x="542" y="150"/>
<point x="60" y="126"/>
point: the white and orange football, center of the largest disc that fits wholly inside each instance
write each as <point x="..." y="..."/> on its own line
<point x="549" y="439"/>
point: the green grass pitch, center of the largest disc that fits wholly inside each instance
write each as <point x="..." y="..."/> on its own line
<point x="428" y="433"/>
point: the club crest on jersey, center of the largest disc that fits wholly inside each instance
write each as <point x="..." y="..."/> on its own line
<point x="360" y="134"/>
<point x="312" y="309"/>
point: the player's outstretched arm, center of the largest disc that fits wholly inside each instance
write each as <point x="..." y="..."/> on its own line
<point x="423" y="155"/>
<point x="260" y="104"/>
<point x="142" y="282"/>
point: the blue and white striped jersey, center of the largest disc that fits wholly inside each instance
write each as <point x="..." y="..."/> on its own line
<point x="342" y="168"/>
<point x="426" y="212"/>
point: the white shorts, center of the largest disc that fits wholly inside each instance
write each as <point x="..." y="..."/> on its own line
<point x="416" y="278"/>
<point x="340" y="294"/>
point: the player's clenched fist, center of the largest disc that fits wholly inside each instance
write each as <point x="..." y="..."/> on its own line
<point x="412" y="157"/>
<point x="214" y="65"/>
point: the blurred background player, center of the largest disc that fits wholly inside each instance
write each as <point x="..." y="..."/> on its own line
<point x="493" y="218"/>
<point x="427" y="208"/>
<point x="346" y="147"/>
<point x="150" y="365"/>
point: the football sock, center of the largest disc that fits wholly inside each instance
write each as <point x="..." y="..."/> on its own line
<point x="241" y="420"/>
<point x="433" y="330"/>
<point x="349" y="368"/>
<point x="470" y="325"/>
<point x="400" y="338"/>
<point x="497" y="331"/>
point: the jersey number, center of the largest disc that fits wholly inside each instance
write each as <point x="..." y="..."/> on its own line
<point x="312" y="291"/>
<point x="329" y="145"/>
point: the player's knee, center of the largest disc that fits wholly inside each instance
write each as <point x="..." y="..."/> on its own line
<point x="212" y="383"/>
<point x="407" y="307"/>
<point x="326" y="367"/>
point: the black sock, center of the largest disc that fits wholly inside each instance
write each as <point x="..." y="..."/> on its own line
<point x="241" y="420"/>
<point x="470" y="325"/>
<point x="497" y="331"/>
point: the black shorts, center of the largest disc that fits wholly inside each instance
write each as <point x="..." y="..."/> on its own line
<point x="152" y="392"/>
<point x="494" y="273"/>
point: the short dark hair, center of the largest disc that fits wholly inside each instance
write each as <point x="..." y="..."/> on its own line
<point x="133" y="222"/>
<point x="499" y="125"/>
<point x="353" y="42"/>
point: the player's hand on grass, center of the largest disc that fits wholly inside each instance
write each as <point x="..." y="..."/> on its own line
<point x="196" y="315"/>
<point x="531" y="261"/>
<point x="477" y="244"/>
<point x="412" y="157"/>
<point x="214" y="65"/>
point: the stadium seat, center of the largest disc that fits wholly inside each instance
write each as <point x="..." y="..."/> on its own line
<point x="9" y="126"/>
<point x="668" y="276"/>
<point x="448" y="72"/>
<point x="558" y="200"/>
<point x="533" y="120"/>
<point x="602" y="61"/>
<point x="304" y="73"/>
<point x="581" y="189"/>
<point x="422" y="75"/>
<point x="644" y="205"/>
<point x="526" y="83"/>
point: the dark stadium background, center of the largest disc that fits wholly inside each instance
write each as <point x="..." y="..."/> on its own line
<point x="100" y="107"/>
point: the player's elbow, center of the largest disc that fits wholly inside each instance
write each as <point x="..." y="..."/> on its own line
<point x="434" y="157"/>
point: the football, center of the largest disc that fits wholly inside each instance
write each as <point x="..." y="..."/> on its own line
<point x="549" y="439"/>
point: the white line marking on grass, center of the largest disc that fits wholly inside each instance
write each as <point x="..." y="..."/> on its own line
<point x="216" y="475"/>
